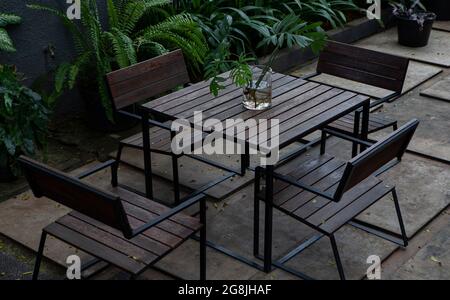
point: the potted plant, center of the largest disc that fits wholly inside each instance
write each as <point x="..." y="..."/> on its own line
<point x="136" y="30"/>
<point x="414" y="22"/>
<point x="255" y="80"/>
<point x="23" y="122"/>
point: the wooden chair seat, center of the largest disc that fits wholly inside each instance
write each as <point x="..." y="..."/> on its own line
<point x="160" y="140"/>
<point x="108" y="244"/>
<point x="324" y="173"/>
<point x="376" y="123"/>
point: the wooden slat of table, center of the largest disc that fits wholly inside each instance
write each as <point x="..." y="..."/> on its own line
<point x="193" y="100"/>
<point x="280" y="94"/>
<point x="302" y="107"/>
<point x="194" y="90"/>
<point x="320" y="120"/>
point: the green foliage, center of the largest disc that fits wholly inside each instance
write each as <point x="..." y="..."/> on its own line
<point x="6" y="43"/>
<point x="282" y="33"/>
<point x="23" y="118"/>
<point x="137" y="30"/>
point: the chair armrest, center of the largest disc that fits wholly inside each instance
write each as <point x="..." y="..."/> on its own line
<point x="306" y="187"/>
<point x="96" y="168"/>
<point x="188" y="203"/>
<point x="151" y="122"/>
<point x="384" y="99"/>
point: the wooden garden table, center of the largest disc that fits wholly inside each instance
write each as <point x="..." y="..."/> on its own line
<point x="301" y="106"/>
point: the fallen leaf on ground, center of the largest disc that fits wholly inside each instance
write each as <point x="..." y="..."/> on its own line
<point x="433" y="258"/>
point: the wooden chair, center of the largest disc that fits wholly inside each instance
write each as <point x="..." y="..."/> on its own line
<point x="325" y="193"/>
<point x="114" y="225"/>
<point x="365" y="66"/>
<point x="140" y="82"/>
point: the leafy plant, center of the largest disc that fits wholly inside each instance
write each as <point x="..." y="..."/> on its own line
<point x="412" y="10"/>
<point x="287" y="32"/>
<point x="23" y="118"/>
<point x="6" y="43"/>
<point x="131" y="36"/>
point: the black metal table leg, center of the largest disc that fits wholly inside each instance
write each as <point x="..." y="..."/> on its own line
<point x="268" y="219"/>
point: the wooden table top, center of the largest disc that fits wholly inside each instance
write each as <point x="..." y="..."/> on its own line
<point x="301" y="106"/>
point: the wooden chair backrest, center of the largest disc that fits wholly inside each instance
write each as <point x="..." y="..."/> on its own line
<point x="75" y="194"/>
<point x="147" y="79"/>
<point x="363" y="65"/>
<point x="377" y="156"/>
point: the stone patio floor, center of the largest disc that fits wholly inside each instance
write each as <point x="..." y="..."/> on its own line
<point x="427" y="256"/>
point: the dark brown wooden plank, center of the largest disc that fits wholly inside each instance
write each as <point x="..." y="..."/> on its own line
<point x="142" y="241"/>
<point x="283" y="90"/>
<point x="332" y="208"/>
<point x="329" y="178"/>
<point x="95" y="248"/>
<point x="301" y="171"/>
<point x="147" y="79"/>
<point x="107" y="239"/>
<point x="391" y="72"/>
<point x="157" y="233"/>
<point x="293" y="121"/>
<point x="73" y="193"/>
<point x="156" y="208"/>
<point x="201" y="96"/>
<point x="210" y="101"/>
<point x="146" y="216"/>
<point x="319" y="121"/>
<point x="363" y="65"/>
<point x="311" y="178"/>
<point x="355" y="208"/>
<point x="303" y="107"/>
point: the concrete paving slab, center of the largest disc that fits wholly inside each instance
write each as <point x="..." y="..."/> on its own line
<point x="230" y="224"/>
<point x="417" y="74"/>
<point x="436" y="52"/>
<point x="431" y="263"/>
<point x="442" y="25"/>
<point x="432" y="136"/>
<point x="440" y="90"/>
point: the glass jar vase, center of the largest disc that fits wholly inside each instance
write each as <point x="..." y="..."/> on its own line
<point x="258" y="94"/>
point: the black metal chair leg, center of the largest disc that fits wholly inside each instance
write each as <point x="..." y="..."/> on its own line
<point x="39" y="255"/>
<point x="176" y="179"/>
<point x="203" y="240"/>
<point x="268" y="220"/>
<point x="400" y="218"/>
<point x="337" y="257"/>
<point x="256" y="212"/>
<point x="323" y="142"/>
<point x="115" y="167"/>
<point x="147" y="155"/>
<point x="356" y="130"/>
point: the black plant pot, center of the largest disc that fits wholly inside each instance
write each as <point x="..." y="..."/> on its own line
<point x="440" y="7"/>
<point x="412" y="34"/>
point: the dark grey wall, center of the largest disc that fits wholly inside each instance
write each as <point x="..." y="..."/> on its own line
<point x="38" y="31"/>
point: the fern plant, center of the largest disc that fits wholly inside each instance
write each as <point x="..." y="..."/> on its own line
<point x="6" y="43"/>
<point x="131" y="36"/>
